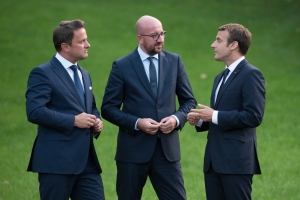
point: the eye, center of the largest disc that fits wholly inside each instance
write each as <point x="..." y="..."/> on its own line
<point x="154" y="35"/>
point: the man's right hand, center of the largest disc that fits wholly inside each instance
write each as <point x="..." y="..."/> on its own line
<point x="84" y="120"/>
<point x="148" y="125"/>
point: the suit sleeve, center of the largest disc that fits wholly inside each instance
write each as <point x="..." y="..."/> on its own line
<point x="95" y="112"/>
<point x="184" y="94"/>
<point x="113" y="99"/>
<point x="253" y="96"/>
<point x="204" y="127"/>
<point x="38" y="94"/>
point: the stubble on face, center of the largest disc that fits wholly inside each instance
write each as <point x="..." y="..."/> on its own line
<point x="149" y="25"/>
<point x="80" y="46"/>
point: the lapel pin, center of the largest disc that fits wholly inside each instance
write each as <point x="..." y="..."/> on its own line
<point x="90" y="87"/>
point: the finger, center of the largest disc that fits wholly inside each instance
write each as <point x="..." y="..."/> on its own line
<point x="194" y="111"/>
<point x="164" y="120"/>
<point x="202" y="106"/>
<point x="151" y="121"/>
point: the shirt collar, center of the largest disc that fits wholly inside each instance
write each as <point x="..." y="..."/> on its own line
<point x="235" y="63"/>
<point x="143" y="55"/>
<point x="64" y="61"/>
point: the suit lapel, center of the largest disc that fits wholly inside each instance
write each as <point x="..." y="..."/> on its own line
<point x="87" y="89"/>
<point x="61" y="72"/>
<point x="217" y="81"/>
<point x="140" y="70"/>
<point x="229" y="80"/>
<point x="163" y="62"/>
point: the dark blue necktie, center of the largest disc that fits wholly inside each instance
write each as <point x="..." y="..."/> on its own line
<point x="225" y="74"/>
<point x="152" y="76"/>
<point x="78" y="84"/>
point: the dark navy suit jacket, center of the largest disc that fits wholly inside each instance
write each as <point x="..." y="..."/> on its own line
<point x="231" y="145"/>
<point x="52" y="103"/>
<point x="128" y="96"/>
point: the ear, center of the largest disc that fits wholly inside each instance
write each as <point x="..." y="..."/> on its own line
<point x="65" y="47"/>
<point x="234" y="45"/>
<point x="140" y="39"/>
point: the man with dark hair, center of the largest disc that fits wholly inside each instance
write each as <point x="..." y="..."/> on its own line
<point x="237" y="108"/>
<point x="59" y="99"/>
<point x="145" y="84"/>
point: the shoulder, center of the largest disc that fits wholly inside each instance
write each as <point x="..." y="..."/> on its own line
<point x="130" y="56"/>
<point x="42" y="67"/>
<point x="169" y="54"/>
<point x="248" y="68"/>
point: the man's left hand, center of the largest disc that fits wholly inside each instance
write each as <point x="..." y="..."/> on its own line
<point x="167" y="124"/>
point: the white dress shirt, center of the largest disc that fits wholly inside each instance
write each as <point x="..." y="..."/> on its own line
<point x="215" y="112"/>
<point x="146" y="63"/>
<point x="67" y="64"/>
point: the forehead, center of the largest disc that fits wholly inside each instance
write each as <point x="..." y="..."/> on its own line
<point x="80" y="33"/>
<point x="153" y="27"/>
<point x="223" y="35"/>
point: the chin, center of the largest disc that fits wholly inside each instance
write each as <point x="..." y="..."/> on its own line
<point x="158" y="50"/>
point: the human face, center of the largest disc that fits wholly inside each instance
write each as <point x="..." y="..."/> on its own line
<point x="148" y="44"/>
<point x="221" y="49"/>
<point x="79" y="48"/>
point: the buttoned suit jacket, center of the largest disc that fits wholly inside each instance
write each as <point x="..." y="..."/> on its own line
<point x="128" y="96"/>
<point x="52" y="102"/>
<point x="231" y="145"/>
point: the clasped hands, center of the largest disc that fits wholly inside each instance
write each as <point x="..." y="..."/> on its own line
<point x="85" y="120"/>
<point x="205" y="113"/>
<point x="150" y="126"/>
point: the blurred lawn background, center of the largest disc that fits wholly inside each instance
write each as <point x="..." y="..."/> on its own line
<point x="26" y="42"/>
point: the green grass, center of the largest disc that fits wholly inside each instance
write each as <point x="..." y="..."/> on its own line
<point x="26" y="41"/>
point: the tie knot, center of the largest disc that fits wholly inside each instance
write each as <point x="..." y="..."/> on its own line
<point x="150" y="58"/>
<point x="74" y="68"/>
<point x="226" y="72"/>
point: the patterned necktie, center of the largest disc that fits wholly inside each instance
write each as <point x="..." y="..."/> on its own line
<point x="153" y="78"/>
<point x="225" y="74"/>
<point x="78" y="84"/>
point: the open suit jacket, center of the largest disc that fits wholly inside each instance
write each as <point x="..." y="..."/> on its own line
<point x="128" y="87"/>
<point x="231" y="145"/>
<point x="52" y="103"/>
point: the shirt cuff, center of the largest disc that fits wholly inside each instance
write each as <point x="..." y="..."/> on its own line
<point x="215" y="117"/>
<point x="200" y="122"/>
<point x="135" y="126"/>
<point x="177" y="120"/>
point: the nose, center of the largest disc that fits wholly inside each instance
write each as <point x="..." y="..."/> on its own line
<point x="160" y="38"/>
<point x="87" y="45"/>
<point x="213" y="45"/>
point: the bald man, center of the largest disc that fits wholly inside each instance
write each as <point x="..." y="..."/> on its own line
<point x="140" y="98"/>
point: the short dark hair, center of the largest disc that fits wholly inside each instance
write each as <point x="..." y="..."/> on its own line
<point x="64" y="32"/>
<point x="239" y="33"/>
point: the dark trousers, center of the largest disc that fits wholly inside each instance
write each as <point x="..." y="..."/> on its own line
<point x="227" y="186"/>
<point x="84" y="186"/>
<point x="165" y="176"/>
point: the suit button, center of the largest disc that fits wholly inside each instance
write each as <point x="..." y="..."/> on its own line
<point x="158" y="107"/>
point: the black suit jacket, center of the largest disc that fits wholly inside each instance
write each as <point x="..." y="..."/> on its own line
<point x="128" y="96"/>
<point x="52" y="102"/>
<point x="231" y="145"/>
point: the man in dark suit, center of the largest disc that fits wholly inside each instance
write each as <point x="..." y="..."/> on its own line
<point x="237" y="108"/>
<point x="67" y="117"/>
<point x="145" y="84"/>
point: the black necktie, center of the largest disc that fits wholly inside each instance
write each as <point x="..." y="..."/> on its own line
<point x="78" y="83"/>
<point x="225" y="74"/>
<point x="153" y="78"/>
